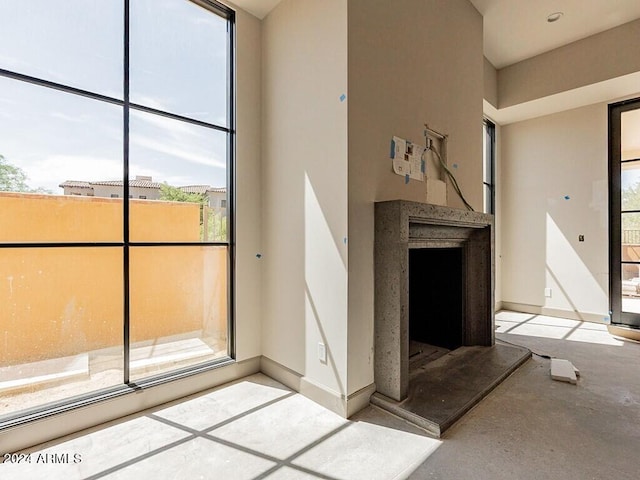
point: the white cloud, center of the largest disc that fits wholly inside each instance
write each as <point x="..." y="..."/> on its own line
<point x="69" y="118"/>
<point x="147" y="101"/>
<point x="178" y="151"/>
<point x="53" y="170"/>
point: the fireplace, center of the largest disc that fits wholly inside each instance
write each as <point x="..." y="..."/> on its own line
<point x="436" y="302"/>
<point x="433" y="284"/>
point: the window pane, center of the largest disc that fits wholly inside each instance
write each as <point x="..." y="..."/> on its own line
<point x="73" y="42"/>
<point x="488" y="158"/>
<point x="53" y="145"/>
<point x="179" y="59"/>
<point x="631" y="288"/>
<point x="630" y="186"/>
<point x="629" y="141"/>
<point x="178" y="307"/>
<point x="488" y="207"/>
<point x="631" y="237"/>
<point x="182" y="170"/>
<point x="61" y="336"/>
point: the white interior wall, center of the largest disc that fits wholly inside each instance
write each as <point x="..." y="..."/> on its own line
<point x="248" y="186"/>
<point x="490" y="83"/>
<point x="304" y="181"/>
<point x="553" y="177"/>
<point x="544" y="159"/>
<point x="595" y="59"/>
<point x="417" y="63"/>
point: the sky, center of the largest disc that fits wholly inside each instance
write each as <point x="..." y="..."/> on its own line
<point x="177" y="63"/>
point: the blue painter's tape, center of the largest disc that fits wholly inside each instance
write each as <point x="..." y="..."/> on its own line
<point x="343" y="97"/>
<point x="393" y="149"/>
<point x="567" y="197"/>
<point x="406" y="179"/>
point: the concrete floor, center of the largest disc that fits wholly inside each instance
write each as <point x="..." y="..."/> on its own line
<point x="254" y="428"/>
<point x="529" y="427"/>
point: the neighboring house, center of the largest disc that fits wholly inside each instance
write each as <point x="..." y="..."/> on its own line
<point x="142" y="187"/>
<point x="217" y="196"/>
<point x="75" y="187"/>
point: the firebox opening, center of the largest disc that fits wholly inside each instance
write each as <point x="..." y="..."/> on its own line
<point x="436" y="297"/>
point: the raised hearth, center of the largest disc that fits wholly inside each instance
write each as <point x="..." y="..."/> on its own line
<point x="465" y="240"/>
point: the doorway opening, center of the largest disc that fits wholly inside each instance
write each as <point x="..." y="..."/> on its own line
<point x="624" y="210"/>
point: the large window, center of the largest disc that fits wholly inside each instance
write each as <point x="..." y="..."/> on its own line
<point x="116" y="200"/>
<point x="489" y="166"/>
<point x="624" y="212"/>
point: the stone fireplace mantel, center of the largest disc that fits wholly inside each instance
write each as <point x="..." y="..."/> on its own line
<point x="400" y="226"/>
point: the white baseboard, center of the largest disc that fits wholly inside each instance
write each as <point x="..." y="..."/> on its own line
<point x="555" y="312"/>
<point x="360" y="399"/>
<point x="279" y="372"/>
<point x="345" y="406"/>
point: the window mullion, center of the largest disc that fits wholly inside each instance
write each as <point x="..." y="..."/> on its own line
<point x="125" y="200"/>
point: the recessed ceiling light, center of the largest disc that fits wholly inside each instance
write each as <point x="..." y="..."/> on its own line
<point x="554" y="17"/>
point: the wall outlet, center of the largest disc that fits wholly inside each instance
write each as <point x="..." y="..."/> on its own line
<point x="547" y="292"/>
<point x="322" y="352"/>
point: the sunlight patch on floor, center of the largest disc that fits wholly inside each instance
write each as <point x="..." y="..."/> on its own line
<point x="532" y="325"/>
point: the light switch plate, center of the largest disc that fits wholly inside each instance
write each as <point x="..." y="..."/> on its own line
<point x="322" y="352"/>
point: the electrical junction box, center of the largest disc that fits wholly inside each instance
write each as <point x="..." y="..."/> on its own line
<point x="414" y="163"/>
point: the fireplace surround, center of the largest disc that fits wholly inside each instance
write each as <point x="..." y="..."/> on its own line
<point x="400" y="227"/>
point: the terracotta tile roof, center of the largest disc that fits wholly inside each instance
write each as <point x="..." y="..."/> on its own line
<point x="195" y="188"/>
<point x="132" y="183"/>
<point x="142" y="183"/>
<point x="75" y="183"/>
<point x="202" y="189"/>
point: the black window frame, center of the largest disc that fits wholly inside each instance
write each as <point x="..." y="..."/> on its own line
<point x="128" y="387"/>
<point x="616" y="313"/>
<point x="489" y="163"/>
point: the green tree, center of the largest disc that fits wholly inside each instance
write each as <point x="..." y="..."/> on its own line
<point x="213" y="225"/>
<point x="631" y="221"/>
<point x="174" y="194"/>
<point x="13" y="179"/>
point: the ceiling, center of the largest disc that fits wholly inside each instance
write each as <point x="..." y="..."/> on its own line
<point x="518" y="29"/>
<point x="515" y="30"/>
<point x="259" y="8"/>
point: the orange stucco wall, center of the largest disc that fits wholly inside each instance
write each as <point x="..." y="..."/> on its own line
<point x="66" y="300"/>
